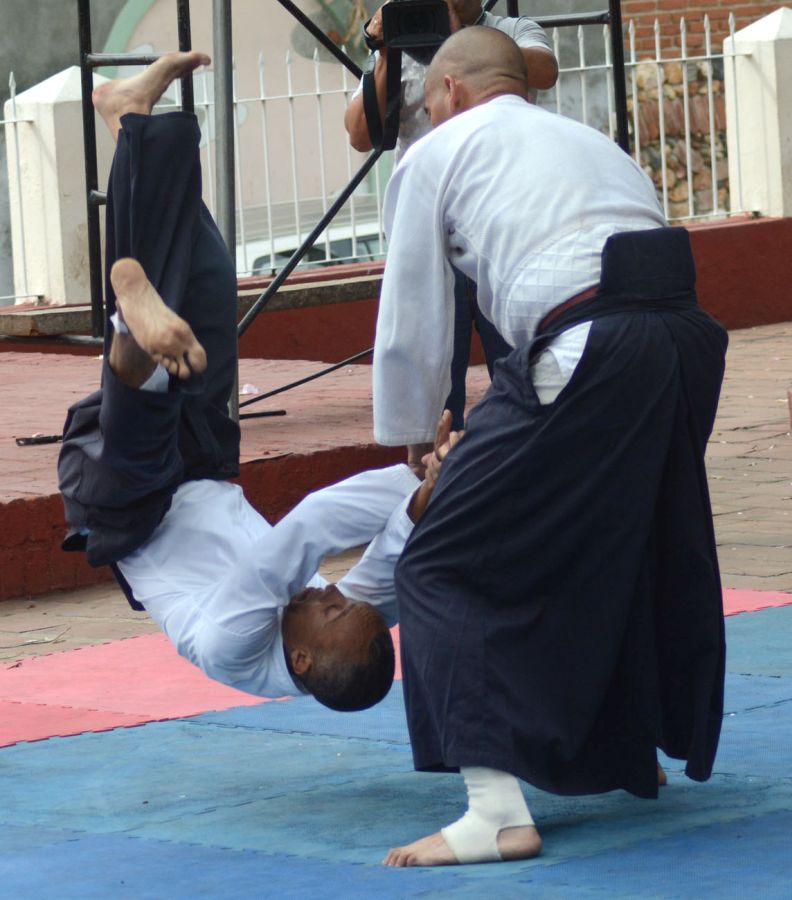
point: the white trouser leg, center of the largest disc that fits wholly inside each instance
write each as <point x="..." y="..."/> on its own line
<point x="495" y="801"/>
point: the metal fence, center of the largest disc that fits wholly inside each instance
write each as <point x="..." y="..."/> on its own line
<point x="292" y="154"/>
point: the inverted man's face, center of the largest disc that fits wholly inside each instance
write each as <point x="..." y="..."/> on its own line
<point x="325" y="620"/>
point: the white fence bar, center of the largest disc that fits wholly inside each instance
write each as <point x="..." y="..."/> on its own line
<point x="711" y="117"/>
<point x="14" y="122"/>
<point x="736" y="101"/>
<point x="660" y="70"/>
<point x="321" y="142"/>
<point x="634" y="86"/>
<point x="686" y="108"/>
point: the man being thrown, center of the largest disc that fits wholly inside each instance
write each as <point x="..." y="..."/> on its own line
<point x="559" y="602"/>
<point x="145" y="459"/>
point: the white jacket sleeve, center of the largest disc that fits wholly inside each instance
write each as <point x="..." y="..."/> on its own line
<point x="414" y="338"/>
<point x="328" y="521"/>
<point x="372" y="578"/>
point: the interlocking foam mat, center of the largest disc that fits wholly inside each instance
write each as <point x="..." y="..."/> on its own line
<point x="289" y="799"/>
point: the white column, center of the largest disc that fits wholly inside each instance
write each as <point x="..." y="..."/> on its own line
<point x="759" y="115"/>
<point x="52" y="188"/>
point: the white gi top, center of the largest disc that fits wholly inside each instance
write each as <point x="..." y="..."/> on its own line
<point x="216" y="576"/>
<point x="413" y="121"/>
<point x="519" y="199"/>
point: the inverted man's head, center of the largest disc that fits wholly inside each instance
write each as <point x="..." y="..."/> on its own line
<point x="340" y="649"/>
<point x="471" y="67"/>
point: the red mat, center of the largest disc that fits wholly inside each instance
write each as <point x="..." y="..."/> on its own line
<point x="36" y="721"/>
<point x="142" y="679"/>
<point x="118" y="684"/>
<point x="126" y="682"/>
<point x="739" y="601"/>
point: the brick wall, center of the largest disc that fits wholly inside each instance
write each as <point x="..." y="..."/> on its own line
<point x="669" y="12"/>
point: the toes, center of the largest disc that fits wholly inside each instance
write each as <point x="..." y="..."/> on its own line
<point x="195" y="359"/>
<point x="394" y="858"/>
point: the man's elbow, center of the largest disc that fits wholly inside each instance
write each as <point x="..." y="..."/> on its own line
<point x="357" y="129"/>
<point x="542" y="69"/>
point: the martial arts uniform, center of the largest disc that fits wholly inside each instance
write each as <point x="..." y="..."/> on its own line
<point x="216" y="577"/>
<point x="143" y="472"/>
<point x="560" y="601"/>
<point x="125" y="451"/>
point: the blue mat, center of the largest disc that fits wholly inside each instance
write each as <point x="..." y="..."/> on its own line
<point x="292" y="800"/>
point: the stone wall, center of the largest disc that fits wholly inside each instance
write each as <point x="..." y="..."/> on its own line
<point x="672" y="89"/>
<point x="669" y="12"/>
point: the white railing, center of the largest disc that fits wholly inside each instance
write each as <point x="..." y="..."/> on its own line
<point x="292" y="155"/>
<point x="677" y="118"/>
<point x="14" y="121"/>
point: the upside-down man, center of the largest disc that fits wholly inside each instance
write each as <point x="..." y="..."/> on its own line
<point x="145" y="459"/>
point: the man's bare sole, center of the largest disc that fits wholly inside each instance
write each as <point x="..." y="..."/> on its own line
<point x="157" y="330"/>
<point x="139" y="93"/>
<point x="522" y="842"/>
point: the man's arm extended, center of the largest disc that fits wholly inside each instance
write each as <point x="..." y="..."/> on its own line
<point x="371" y="579"/>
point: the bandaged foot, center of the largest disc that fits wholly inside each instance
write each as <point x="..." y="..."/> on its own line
<point x="165" y="337"/>
<point x="139" y="93"/>
<point x="497" y="826"/>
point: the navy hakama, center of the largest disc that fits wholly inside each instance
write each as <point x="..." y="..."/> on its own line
<point x="125" y="451"/>
<point x="560" y="601"/>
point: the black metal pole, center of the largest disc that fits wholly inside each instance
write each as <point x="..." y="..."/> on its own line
<point x="619" y="77"/>
<point x="91" y="175"/>
<point x="512" y="9"/>
<point x="300" y="381"/>
<point x="185" y="43"/>
<point x="224" y="112"/>
<point x="323" y="39"/>
<point x="306" y="245"/>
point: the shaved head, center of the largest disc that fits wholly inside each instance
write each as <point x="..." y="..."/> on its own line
<point x="474" y="65"/>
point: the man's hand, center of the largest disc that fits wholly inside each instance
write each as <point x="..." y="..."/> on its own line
<point x="432" y="461"/>
<point x="445" y="440"/>
<point x="374" y="25"/>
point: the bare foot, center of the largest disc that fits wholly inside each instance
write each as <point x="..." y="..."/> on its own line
<point x="157" y="330"/>
<point x="140" y="92"/>
<point x="522" y="842"/>
<point x="662" y="778"/>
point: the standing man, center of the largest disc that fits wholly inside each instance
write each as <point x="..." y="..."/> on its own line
<point x="560" y="602"/>
<point x="414" y="123"/>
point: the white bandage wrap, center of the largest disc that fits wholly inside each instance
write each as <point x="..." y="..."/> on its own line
<point x="495" y="801"/>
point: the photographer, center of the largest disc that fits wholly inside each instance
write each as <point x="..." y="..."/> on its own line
<point x="413" y="120"/>
<point x="414" y="124"/>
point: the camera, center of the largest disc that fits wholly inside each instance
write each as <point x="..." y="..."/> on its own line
<point x="417" y="27"/>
